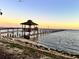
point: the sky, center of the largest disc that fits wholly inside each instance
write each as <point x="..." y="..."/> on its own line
<point x="47" y="13"/>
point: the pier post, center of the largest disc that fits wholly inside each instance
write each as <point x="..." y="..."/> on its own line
<point x="7" y="32"/>
<point x="37" y="33"/>
<point x="34" y="31"/>
<point x="17" y="32"/>
<point x="29" y="31"/>
<point x="0" y="33"/>
<point x="40" y="31"/>
<point x="13" y="33"/>
<point x="22" y="30"/>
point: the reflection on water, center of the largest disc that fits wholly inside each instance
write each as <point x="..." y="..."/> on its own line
<point x="66" y="40"/>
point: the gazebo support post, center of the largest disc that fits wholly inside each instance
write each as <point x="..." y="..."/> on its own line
<point x="34" y="31"/>
<point x="22" y="30"/>
<point x="29" y="31"/>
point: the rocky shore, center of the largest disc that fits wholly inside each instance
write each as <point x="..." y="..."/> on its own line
<point x="12" y="48"/>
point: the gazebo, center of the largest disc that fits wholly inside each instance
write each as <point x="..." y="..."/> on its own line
<point x="29" y="23"/>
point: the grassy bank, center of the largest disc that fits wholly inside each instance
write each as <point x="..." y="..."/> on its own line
<point x="28" y="52"/>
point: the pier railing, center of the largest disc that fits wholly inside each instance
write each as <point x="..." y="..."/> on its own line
<point x="19" y="32"/>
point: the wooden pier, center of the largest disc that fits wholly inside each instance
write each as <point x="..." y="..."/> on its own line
<point x="27" y="30"/>
<point x="18" y="32"/>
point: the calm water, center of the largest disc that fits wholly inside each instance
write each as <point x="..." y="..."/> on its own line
<point x="64" y="41"/>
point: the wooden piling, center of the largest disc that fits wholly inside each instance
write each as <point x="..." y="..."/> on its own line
<point x="0" y="33"/>
<point x="17" y="32"/>
<point x="22" y="30"/>
<point x="13" y="33"/>
<point x="7" y="32"/>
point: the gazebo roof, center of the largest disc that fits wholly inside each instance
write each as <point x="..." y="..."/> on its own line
<point x="29" y="22"/>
